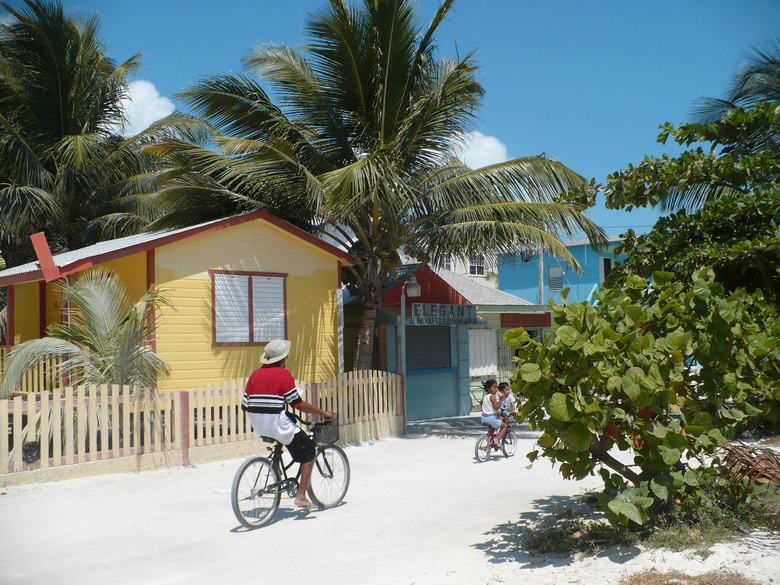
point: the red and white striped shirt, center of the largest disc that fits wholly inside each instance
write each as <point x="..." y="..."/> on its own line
<point x="268" y="389"/>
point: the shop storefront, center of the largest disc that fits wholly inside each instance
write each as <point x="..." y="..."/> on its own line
<point x="450" y="319"/>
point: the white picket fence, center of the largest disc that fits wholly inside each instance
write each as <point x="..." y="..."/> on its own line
<point x="80" y="431"/>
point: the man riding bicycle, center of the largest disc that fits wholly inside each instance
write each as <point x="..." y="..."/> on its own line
<point x="268" y="389"/>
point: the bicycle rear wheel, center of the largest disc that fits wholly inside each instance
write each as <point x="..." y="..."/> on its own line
<point x="330" y="476"/>
<point x="255" y="494"/>
<point x="482" y="449"/>
<point x="509" y="445"/>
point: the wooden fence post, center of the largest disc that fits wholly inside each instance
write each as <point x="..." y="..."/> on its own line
<point x="315" y="395"/>
<point x="184" y="426"/>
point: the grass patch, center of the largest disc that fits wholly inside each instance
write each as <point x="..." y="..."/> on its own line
<point x="577" y="534"/>
<point x="694" y="526"/>
<point x="699" y="525"/>
<point x="677" y="578"/>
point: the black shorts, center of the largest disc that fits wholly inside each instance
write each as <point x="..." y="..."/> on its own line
<point x="301" y="448"/>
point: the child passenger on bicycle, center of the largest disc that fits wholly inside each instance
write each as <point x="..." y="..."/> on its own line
<point x="490" y="410"/>
<point x="507" y="402"/>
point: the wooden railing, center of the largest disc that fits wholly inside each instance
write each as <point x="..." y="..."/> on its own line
<point x="102" y="426"/>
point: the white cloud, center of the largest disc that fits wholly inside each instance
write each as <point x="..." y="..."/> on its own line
<point x="143" y="106"/>
<point x="480" y="150"/>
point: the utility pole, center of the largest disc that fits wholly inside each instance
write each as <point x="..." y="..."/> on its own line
<point x="541" y="277"/>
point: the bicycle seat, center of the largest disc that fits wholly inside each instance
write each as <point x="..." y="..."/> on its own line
<point x="268" y="439"/>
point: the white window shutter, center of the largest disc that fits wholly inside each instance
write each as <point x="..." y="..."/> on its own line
<point x="231" y="308"/>
<point x="268" y="304"/>
<point x="555" y="278"/>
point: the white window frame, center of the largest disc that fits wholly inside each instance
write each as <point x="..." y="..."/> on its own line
<point x="477" y="266"/>
<point x="248" y="308"/>
<point x="602" y="267"/>
<point x="554" y="278"/>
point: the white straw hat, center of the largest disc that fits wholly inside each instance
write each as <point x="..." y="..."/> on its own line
<point x="275" y="351"/>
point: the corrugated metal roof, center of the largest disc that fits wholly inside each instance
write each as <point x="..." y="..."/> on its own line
<point x="585" y="241"/>
<point x="67" y="258"/>
<point x="474" y="292"/>
<point x="145" y="239"/>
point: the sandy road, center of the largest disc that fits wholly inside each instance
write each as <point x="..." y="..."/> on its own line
<point x="419" y="510"/>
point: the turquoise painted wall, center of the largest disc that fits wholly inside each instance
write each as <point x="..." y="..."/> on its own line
<point x="431" y="394"/>
<point x="441" y="393"/>
<point x="522" y="278"/>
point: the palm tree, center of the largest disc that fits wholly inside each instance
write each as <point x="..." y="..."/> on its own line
<point x="363" y="147"/>
<point x="755" y="87"/>
<point x="757" y="80"/>
<point x="64" y="168"/>
<point x="104" y="342"/>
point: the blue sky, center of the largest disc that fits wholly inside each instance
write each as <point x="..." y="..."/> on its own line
<point x="587" y="83"/>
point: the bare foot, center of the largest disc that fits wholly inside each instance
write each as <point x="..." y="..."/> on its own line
<point x="304" y="503"/>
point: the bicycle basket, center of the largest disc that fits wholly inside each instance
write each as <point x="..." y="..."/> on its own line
<point x="326" y="431"/>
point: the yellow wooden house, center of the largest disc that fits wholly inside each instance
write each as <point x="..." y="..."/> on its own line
<point x="234" y="284"/>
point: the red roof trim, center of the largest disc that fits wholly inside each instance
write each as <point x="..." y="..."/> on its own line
<point x="205" y="229"/>
<point x="22" y="278"/>
<point x="177" y="237"/>
<point x="49" y="269"/>
<point x="11" y="315"/>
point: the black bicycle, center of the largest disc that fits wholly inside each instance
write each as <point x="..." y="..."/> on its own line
<point x="260" y="481"/>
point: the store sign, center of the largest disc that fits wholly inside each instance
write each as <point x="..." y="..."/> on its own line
<point x="438" y="314"/>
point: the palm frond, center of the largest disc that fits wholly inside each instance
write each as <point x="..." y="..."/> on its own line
<point x="18" y="161"/>
<point x="470" y="239"/>
<point x="177" y="126"/>
<point x="98" y="302"/>
<point x="28" y="356"/>
<point x="24" y="209"/>
<point x="695" y="196"/>
<point x="104" y="341"/>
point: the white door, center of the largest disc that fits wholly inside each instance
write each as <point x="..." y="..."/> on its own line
<point x="482" y="352"/>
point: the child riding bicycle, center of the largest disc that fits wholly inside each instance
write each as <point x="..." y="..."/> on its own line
<point x="490" y="410"/>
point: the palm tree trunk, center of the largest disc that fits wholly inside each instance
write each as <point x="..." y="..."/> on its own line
<point x="364" y="349"/>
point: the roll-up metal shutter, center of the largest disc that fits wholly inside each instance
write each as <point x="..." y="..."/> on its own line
<point x="428" y="348"/>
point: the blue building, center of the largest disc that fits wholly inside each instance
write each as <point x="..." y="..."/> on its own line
<point x="524" y="276"/>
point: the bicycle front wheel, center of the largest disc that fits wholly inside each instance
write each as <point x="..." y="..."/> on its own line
<point x="510" y="443"/>
<point x="255" y="494"/>
<point x="330" y="476"/>
<point x="482" y="448"/>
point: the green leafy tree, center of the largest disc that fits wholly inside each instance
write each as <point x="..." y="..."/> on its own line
<point x="105" y="340"/>
<point x="363" y="147"/>
<point x="682" y="350"/>
<point x="618" y="376"/>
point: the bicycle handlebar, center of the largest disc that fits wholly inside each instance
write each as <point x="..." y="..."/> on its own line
<point x="308" y="423"/>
